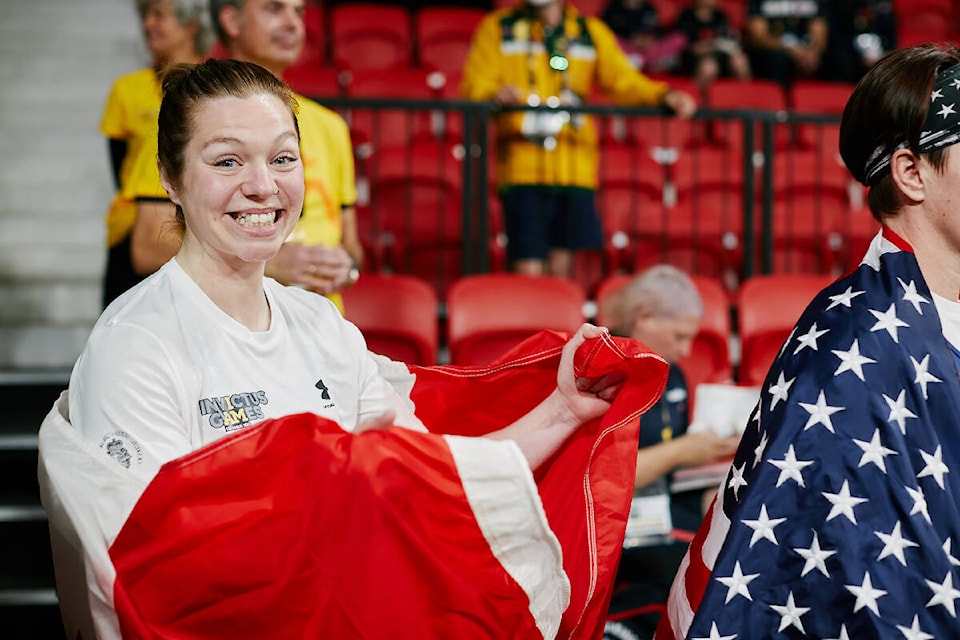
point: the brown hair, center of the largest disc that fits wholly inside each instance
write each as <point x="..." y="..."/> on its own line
<point x="185" y="86"/>
<point x="888" y="107"/>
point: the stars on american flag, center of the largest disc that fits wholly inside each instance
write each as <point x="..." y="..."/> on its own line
<point x="737" y="583"/>
<point x="888" y="321"/>
<point x="894" y="544"/>
<point x="867" y="595"/>
<point x="809" y="339"/>
<point x="899" y="411"/>
<point x="814" y="557"/>
<point x="820" y="413"/>
<point x="843" y="503"/>
<point x="790" y="467"/>
<point x="833" y="532"/>
<point x="763" y="527"/>
<point x="852" y="360"/>
<point x="935" y="466"/>
<point x="923" y="374"/>
<point x="790" y="614"/>
<point x="874" y="452"/>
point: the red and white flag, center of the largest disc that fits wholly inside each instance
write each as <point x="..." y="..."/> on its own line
<point x="295" y="528"/>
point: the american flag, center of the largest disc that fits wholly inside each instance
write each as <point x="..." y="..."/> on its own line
<point x="840" y="515"/>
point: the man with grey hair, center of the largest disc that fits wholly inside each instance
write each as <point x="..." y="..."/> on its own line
<point x="661" y="308"/>
<point x="323" y="253"/>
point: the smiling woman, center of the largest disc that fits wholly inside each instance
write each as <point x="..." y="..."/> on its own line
<point x="207" y="356"/>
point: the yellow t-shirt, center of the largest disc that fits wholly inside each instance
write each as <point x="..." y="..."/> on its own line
<point x="131" y="114"/>
<point x="329" y="176"/>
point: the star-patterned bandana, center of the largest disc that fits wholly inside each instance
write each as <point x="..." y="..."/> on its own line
<point x="940" y="129"/>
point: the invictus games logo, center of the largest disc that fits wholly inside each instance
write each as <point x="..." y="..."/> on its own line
<point x="234" y="411"/>
<point x="122" y="447"/>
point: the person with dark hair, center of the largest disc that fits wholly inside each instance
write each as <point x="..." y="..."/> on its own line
<point x="860" y="32"/>
<point x="253" y="413"/>
<point x="839" y="515"/>
<point x="651" y="46"/>
<point x="712" y="46"/>
<point x="785" y="40"/>
<point x="661" y="308"/>
<point x="544" y="53"/>
<point x="138" y="241"/>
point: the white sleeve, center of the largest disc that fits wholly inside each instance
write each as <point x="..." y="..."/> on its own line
<point x="382" y="382"/>
<point x="124" y="399"/>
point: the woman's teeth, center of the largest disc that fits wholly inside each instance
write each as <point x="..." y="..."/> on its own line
<point x="256" y="219"/>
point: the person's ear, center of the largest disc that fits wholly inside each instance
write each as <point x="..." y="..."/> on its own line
<point x="230" y="21"/>
<point x="169" y="188"/>
<point x="906" y="174"/>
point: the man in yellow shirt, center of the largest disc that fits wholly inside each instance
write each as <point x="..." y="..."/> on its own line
<point x="542" y="52"/>
<point x="324" y="252"/>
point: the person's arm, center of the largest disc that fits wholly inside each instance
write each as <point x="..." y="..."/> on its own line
<point x="575" y="401"/>
<point x="756" y="33"/>
<point x="624" y="85"/>
<point x="118" y="151"/>
<point x="155" y="237"/>
<point x="689" y="450"/>
<point x="482" y="75"/>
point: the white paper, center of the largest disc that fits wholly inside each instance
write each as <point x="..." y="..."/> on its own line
<point x="724" y="408"/>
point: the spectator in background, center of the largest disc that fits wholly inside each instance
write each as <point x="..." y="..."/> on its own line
<point x="647" y="44"/>
<point x="860" y="32"/>
<point x="543" y="52"/>
<point x="712" y="46"/>
<point x="661" y="308"/>
<point x="174" y="31"/>
<point x="323" y="254"/>
<point x="785" y="40"/>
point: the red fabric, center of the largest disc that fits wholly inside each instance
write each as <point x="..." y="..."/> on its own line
<point x="297" y="529"/>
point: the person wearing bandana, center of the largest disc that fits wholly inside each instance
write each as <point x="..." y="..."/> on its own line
<point x="544" y="53"/>
<point x="839" y="515"/>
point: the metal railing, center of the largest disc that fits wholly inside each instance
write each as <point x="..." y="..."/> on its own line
<point x="786" y="204"/>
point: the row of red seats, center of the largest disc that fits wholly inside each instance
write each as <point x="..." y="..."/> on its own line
<point x="486" y="315"/>
<point x="370" y="35"/>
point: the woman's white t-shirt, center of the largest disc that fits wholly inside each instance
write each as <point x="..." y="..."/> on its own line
<point x="165" y="371"/>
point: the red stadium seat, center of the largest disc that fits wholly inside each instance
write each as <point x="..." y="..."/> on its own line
<point x="370" y="36"/>
<point x="397" y="315"/>
<point x="768" y="306"/>
<point x="822" y="98"/>
<point x="443" y="36"/>
<point x="489" y="314"/>
<point x="384" y="127"/>
<point x="315" y="81"/>
<point x="412" y="222"/>
<point x="756" y="94"/>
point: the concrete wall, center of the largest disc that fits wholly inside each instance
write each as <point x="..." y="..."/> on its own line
<point x="58" y="59"/>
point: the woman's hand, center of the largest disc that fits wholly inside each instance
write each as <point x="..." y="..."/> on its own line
<point x="585" y="398"/>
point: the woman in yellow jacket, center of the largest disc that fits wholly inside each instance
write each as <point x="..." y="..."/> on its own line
<point x="542" y="52"/>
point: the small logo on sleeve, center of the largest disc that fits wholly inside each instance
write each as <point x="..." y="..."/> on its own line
<point x="122" y="447"/>
<point x="235" y="411"/>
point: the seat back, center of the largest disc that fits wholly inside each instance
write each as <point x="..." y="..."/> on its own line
<point x="397" y="315"/>
<point x="443" y="36"/>
<point x="370" y="36"/>
<point x="489" y="314"/>
<point x="768" y="306"/>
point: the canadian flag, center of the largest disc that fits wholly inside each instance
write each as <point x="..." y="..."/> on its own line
<point x="295" y="528"/>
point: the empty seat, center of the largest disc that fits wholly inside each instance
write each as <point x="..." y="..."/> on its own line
<point x="382" y="126"/>
<point x="370" y="36"/>
<point x="397" y="315"/>
<point x="443" y="36"/>
<point x="768" y="306"/>
<point x="487" y="315"/>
